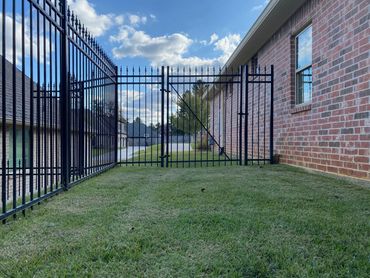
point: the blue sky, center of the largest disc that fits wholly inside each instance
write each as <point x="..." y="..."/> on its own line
<point x="165" y="32"/>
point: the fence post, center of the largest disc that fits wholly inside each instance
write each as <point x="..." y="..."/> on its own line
<point x="272" y="117"/>
<point x="162" y="117"/>
<point x="64" y="98"/>
<point x="241" y="69"/>
<point x="116" y="116"/>
<point x="3" y="104"/>
<point x="168" y="116"/>
<point x="81" y="123"/>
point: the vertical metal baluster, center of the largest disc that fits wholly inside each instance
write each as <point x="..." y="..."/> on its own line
<point x="151" y="116"/>
<point x="264" y="117"/>
<point x="183" y="122"/>
<point x="219" y="120"/>
<point x="253" y="101"/>
<point x="177" y="118"/>
<point x="14" y="108"/>
<point x="31" y="109"/>
<point x="133" y="118"/>
<point x="4" y="129"/>
<point x="201" y="118"/>
<point x="43" y="100"/>
<point x="258" y="114"/>
<point x="159" y="109"/>
<point x="121" y="118"/>
<point x="64" y="97"/>
<point x="139" y="91"/>
<point x="213" y="119"/>
<point x="207" y="120"/>
<point x="56" y="101"/>
<point x="169" y="125"/>
<point x="23" y="164"/>
<point x="224" y="113"/>
<point x="168" y="116"/>
<point x="272" y="117"/>
<point x="240" y="118"/>
<point x="51" y="110"/>
<point x="145" y="115"/>
<point x="246" y="123"/>
<point x="231" y="151"/>
<point x="127" y="115"/>
<point x="190" y="128"/>
<point x="162" y="117"/>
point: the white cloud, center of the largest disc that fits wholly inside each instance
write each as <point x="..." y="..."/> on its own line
<point x="169" y="49"/>
<point x="96" y="23"/>
<point x="136" y="20"/>
<point x="203" y="42"/>
<point x="214" y="37"/>
<point x="134" y="95"/>
<point x="227" y="45"/>
<point x="120" y="19"/>
<point x="18" y="40"/>
<point x="261" y="6"/>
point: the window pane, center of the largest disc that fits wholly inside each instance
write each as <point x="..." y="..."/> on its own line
<point x="304" y="86"/>
<point x="19" y="145"/>
<point x="304" y="48"/>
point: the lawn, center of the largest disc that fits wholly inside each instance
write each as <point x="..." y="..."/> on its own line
<point x="217" y="221"/>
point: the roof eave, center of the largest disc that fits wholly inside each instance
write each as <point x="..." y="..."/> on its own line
<point x="276" y="13"/>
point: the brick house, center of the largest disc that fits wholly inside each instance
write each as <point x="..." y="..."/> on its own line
<point x="320" y="51"/>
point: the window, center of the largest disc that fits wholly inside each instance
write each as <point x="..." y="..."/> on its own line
<point x="304" y="66"/>
<point x="18" y="145"/>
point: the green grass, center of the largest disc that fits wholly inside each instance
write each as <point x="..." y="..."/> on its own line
<point x="246" y="222"/>
<point x="100" y="151"/>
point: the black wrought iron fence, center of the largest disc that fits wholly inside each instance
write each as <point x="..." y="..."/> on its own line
<point x="58" y="106"/>
<point x="182" y="117"/>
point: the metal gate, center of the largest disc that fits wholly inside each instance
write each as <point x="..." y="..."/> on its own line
<point x="183" y="117"/>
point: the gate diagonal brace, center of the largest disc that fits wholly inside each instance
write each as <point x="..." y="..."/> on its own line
<point x="221" y="149"/>
<point x="164" y="156"/>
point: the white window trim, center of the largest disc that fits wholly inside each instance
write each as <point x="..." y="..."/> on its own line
<point x="303" y="68"/>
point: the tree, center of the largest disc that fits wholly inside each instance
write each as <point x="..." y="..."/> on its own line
<point x="138" y="120"/>
<point x="192" y="110"/>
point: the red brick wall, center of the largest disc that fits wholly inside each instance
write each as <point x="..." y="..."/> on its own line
<point x="333" y="133"/>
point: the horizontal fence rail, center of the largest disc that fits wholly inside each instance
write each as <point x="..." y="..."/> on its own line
<point x="184" y="117"/>
<point x="58" y="106"/>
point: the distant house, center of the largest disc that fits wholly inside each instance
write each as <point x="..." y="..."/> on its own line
<point x="320" y="50"/>
<point x="122" y="132"/>
<point x="139" y="134"/>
